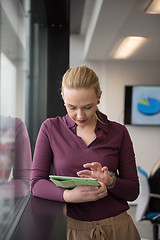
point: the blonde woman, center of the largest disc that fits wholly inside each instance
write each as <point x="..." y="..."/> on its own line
<point x="85" y="143"/>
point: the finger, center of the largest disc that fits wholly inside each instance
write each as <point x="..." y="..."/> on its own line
<point x="96" y="166"/>
<point x="102" y="190"/>
<point x="87" y="173"/>
<point x="99" y="195"/>
<point x="104" y="169"/>
<point x="102" y="187"/>
<point x="83" y="176"/>
<point x="102" y="194"/>
<point x="87" y="189"/>
<point x="87" y="165"/>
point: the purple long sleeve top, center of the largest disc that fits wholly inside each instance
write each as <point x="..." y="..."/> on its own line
<point x="58" y="144"/>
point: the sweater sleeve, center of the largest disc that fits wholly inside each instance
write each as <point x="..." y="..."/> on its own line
<point x="127" y="184"/>
<point x="42" y="159"/>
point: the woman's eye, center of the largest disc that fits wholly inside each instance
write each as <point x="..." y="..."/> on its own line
<point x="88" y="107"/>
<point x="84" y="108"/>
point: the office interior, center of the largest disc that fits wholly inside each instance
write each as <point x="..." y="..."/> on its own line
<point x="39" y="41"/>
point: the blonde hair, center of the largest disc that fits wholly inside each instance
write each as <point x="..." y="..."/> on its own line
<point x="81" y="77"/>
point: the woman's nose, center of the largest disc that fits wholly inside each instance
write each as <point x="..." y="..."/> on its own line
<point x="80" y="113"/>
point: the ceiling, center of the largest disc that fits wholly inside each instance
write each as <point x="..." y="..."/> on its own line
<point x="104" y="23"/>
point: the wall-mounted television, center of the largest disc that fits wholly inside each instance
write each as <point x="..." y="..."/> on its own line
<point x="142" y="105"/>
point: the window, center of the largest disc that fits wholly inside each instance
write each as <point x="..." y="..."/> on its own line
<point x="15" y="152"/>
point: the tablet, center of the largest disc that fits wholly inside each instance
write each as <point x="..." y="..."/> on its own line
<point x="71" y="182"/>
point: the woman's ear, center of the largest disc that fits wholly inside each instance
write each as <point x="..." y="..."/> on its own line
<point x="62" y="96"/>
<point x="99" y="97"/>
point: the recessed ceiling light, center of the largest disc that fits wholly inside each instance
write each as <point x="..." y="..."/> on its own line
<point x="128" y="46"/>
<point x="154" y="7"/>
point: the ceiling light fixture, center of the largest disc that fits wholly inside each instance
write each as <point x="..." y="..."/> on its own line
<point x="128" y="46"/>
<point x="153" y="7"/>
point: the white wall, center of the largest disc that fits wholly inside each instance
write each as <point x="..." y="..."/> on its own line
<point x="114" y="75"/>
<point x="15" y="30"/>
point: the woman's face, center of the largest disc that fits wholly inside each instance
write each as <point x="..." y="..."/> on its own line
<point x="81" y="105"/>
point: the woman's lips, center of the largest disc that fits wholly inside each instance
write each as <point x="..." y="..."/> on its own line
<point x="81" y="121"/>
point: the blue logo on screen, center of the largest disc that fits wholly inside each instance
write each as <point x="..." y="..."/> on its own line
<point x="148" y="106"/>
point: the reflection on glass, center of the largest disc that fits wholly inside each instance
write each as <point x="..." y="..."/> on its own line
<point x="15" y="165"/>
<point x="15" y="151"/>
<point x="15" y="155"/>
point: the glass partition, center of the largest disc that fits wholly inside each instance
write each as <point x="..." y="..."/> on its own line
<point x="15" y="151"/>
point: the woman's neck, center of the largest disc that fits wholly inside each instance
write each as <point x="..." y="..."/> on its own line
<point x="87" y="133"/>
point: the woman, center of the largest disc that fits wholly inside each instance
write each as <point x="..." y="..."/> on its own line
<point x="87" y="144"/>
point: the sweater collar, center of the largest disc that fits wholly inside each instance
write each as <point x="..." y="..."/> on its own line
<point x="102" y="122"/>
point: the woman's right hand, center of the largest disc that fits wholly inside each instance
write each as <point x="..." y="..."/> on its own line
<point x="82" y="194"/>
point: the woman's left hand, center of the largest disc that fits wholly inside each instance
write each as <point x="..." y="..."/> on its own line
<point x="96" y="171"/>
